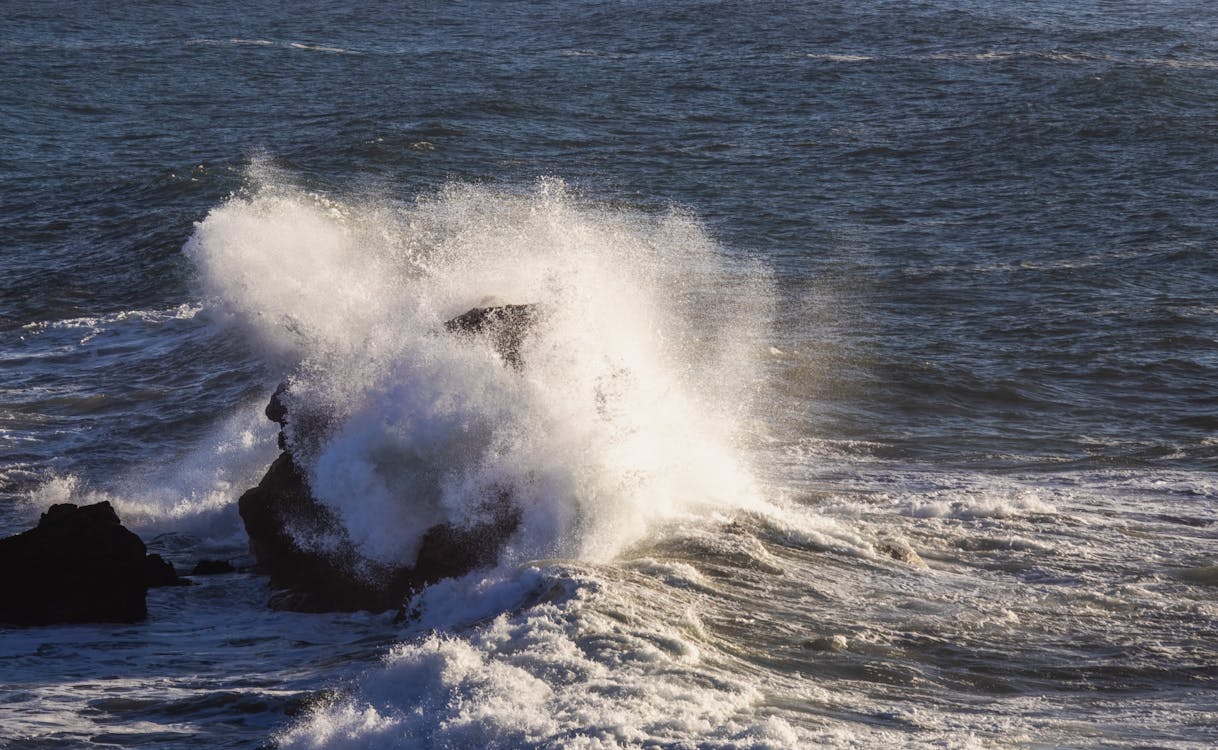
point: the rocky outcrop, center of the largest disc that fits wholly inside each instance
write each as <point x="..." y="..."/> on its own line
<point x="505" y="326"/>
<point x="281" y="510"/>
<point x="334" y="576"/>
<point x="160" y="572"/>
<point x="212" y="568"/>
<point x="78" y="565"/>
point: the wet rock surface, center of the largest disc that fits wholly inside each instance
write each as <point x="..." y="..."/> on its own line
<point x="333" y="576"/>
<point x="506" y="326"/>
<point x="79" y="564"/>
<point x="212" y="568"/>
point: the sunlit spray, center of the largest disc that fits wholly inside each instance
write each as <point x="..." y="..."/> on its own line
<point x="632" y="386"/>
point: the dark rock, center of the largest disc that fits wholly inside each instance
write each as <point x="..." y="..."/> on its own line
<point x="339" y="580"/>
<point x="160" y="572"/>
<point x="78" y="565"/>
<point x="212" y="568"/>
<point x="281" y="509"/>
<point x="448" y="551"/>
<point x="505" y="326"/>
<point x="275" y="512"/>
<point x="277" y="412"/>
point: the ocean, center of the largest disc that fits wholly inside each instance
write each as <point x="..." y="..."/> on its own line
<point x="874" y="405"/>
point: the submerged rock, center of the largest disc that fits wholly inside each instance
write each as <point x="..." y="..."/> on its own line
<point x="329" y="574"/>
<point x="899" y="550"/>
<point x="78" y="565"/>
<point x="831" y="643"/>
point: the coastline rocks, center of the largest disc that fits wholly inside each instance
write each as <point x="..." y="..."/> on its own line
<point x="333" y="576"/>
<point x="160" y="572"/>
<point x="78" y="565"/>
<point x="280" y="510"/>
<point x="212" y="568"/>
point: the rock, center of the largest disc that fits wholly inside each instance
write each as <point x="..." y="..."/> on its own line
<point x="281" y="509"/>
<point x="78" y="565"/>
<point x="505" y="326"/>
<point x="160" y="572"/>
<point x="277" y="412"/>
<point x="275" y="512"/>
<point x="303" y="580"/>
<point x="212" y="568"/>
<point x="831" y="643"/>
<point x="899" y="550"/>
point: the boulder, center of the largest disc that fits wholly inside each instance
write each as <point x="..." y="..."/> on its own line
<point x="505" y="326"/>
<point x="78" y="565"/>
<point x="281" y="510"/>
<point x="212" y="568"/>
<point x="160" y="572"/>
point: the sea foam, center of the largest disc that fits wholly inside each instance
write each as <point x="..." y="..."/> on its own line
<point x="597" y="663"/>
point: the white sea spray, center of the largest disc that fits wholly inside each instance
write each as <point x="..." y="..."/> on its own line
<point x="636" y="377"/>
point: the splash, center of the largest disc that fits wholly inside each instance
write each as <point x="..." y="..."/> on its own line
<point x="195" y="493"/>
<point x="624" y="412"/>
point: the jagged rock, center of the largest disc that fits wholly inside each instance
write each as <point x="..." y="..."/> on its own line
<point x="277" y="412"/>
<point x="281" y="510"/>
<point x="212" y="568"/>
<point x="899" y="550"/>
<point x="160" y="572"/>
<point x="78" y="565"/>
<point x="275" y="513"/>
<point x="505" y="326"/>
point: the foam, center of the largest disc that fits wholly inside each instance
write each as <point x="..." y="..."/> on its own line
<point x="953" y="505"/>
<point x="585" y="671"/>
<point x="89" y="327"/>
<point x="626" y="410"/>
<point x="184" y="311"/>
<point x="1060" y="57"/>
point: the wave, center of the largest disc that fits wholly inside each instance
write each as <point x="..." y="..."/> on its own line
<point x="1063" y="57"/>
<point x="622" y="418"/>
<point x="195" y="494"/>
<point x="92" y="326"/>
<point x="574" y="658"/>
<point x="626" y="410"/>
<point x="239" y="42"/>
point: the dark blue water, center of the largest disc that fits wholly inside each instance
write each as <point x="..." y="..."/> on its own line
<point x="989" y="238"/>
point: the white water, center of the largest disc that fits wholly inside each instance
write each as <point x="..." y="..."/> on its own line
<point x="623" y="421"/>
<point x="579" y="658"/>
<point x="634" y="386"/>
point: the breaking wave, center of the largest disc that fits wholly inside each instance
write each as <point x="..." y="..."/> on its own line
<point x="625" y="411"/>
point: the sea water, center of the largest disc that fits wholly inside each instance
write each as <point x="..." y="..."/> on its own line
<point x="871" y="403"/>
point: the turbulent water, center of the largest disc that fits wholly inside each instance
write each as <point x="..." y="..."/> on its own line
<point x="872" y="403"/>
